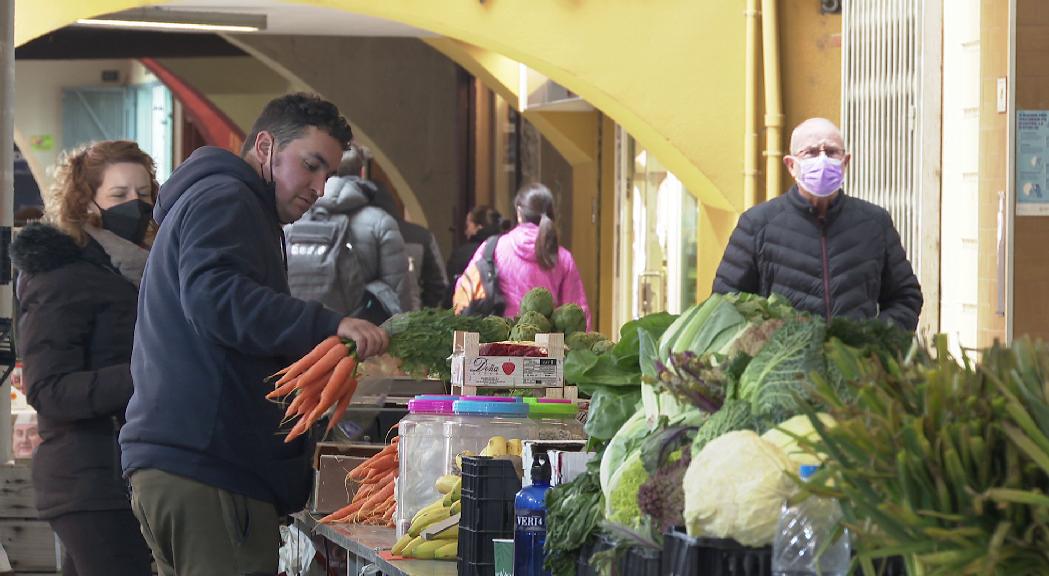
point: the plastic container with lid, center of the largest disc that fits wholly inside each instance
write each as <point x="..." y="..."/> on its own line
<point x="422" y="455"/>
<point x="557" y="419"/>
<point x="476" y="422"/>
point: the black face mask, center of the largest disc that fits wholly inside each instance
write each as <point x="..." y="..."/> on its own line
<point x="128" y="220"/>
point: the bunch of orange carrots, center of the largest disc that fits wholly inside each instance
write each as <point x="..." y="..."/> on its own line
<point x="323" y="378"/>
<point x="374" y="501"/>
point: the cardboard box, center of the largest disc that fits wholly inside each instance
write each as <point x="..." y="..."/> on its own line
<point x="469" y="368"/>
<point x="333" y="461"/>
<point x="530" y="449"/>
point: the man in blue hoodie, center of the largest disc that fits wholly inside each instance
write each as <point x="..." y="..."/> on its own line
<point x="210" y="472"/>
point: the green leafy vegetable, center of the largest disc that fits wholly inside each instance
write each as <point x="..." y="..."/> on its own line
<point x="780" y="372"/>
<point x="610" y="408"/>
<point x="734" y="415"/>
<point x="588" y="371"/>
<point x="628" y="350"/>
<point x="574" y="512"/>
<point x="422" y="340"/>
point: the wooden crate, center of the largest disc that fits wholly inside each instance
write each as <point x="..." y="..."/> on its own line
<point x="30" y="544"/>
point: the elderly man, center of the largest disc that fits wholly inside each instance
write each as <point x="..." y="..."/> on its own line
<point x="828" y="253"/>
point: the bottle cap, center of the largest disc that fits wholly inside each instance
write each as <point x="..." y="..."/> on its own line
<point x="807" y="470"/>
<point x="540" y="472"/>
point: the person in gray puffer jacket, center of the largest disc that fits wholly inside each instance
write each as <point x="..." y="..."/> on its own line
<point x="380" y="276"/>
<point x="828" y="253"/>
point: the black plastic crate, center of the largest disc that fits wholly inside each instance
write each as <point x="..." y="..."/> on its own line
<point x="635" y="561"/>
<point x="684" y="555"/>
<point x="891" y="566"/>
<point x="586" y="552"/>
<point x="488" y="492"/>
<point x="476" y="551"/>
<point x="639" y="561"/>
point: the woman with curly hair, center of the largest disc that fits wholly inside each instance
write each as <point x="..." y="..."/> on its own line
<point x="78" y="295"/>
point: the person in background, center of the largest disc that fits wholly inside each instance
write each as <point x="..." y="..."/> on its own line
<point x="426" y="280"/>
<point x="27" y="435"/>
<point x="78" y="287"/>
<point x="528" y="256"/>
<point x="367" y="275"/>
<point x="481" y="223"/>
<point x="828" y="253"/>
<point x="211" y="474"/>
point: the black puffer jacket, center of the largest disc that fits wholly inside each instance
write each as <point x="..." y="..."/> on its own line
<point x="851" y="264"/>
<point x="76" y="321"/>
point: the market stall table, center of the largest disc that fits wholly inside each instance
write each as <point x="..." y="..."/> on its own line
<point x="363" y="544"/>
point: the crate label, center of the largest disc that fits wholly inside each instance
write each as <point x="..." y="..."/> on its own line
<point x="507" y="371"/>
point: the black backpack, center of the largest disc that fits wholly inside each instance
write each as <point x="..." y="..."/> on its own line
<point x="492" y="304"/>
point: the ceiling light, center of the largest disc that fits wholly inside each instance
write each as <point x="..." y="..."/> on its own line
<point x="178" y="21"/>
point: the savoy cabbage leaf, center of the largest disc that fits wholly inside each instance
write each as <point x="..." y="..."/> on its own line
<point x="780" y="372"/>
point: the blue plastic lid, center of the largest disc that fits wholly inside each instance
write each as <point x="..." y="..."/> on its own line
<point x="807" y="470"/>
<point x="476" y="408"/>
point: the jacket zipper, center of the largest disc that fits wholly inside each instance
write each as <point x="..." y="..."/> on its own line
<point x="826" y="269"/>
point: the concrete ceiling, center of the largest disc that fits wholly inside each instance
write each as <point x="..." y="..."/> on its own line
<point x="300" y="19"/>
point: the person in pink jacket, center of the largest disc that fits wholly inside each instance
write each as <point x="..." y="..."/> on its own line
<point x="528" y="256"/>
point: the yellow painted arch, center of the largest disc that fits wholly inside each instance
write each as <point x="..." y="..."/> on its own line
<point x="670" y="72"/>
<point x="405" y="193"/>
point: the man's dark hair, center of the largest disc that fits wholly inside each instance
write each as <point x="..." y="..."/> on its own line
<point x="288" y="116"/>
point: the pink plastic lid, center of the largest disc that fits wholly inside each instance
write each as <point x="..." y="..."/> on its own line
<point x="416" y="406"/>
<point x="490" y="399"/>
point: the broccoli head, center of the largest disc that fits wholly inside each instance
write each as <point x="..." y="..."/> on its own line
<point x="524" y="333"/>
<point x="662" y="496"/>
<point x="494" y="329"/>
<point x="602" y="346"/>
<point x="536" y="319"/>
<point x="583" y="340"/>
<point x="569" y="319"/>
<point x="538" y="300"/>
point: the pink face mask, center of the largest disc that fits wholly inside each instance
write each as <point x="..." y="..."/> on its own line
<point x="820" y="176"/>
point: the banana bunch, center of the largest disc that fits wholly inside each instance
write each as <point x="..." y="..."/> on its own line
<point x="497" y="446"/>
<point x="442" y="545"/>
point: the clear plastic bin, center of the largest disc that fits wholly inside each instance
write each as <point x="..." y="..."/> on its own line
<point x="422" y="455"/>
<point x="557" y="419"/>
<point x="476" y="422"/>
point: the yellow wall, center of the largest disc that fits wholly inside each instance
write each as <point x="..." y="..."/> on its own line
<point x="238" y="85"/>
<point x="994" y="64"/>
<point x="810" y="44"/>
<point x="670" y="72"/>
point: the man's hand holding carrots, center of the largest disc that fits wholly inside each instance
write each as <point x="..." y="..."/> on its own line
<point x="371" y="340"/>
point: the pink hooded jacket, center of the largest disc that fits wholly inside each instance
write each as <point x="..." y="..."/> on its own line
<point x="519" y="271"/>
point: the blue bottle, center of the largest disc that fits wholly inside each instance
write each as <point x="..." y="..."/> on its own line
<point x="530" y="524"/>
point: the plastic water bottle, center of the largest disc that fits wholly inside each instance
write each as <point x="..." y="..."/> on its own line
<point x="805" y="529"/>
<point x="530" y="525"/>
